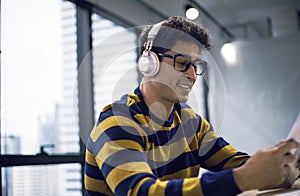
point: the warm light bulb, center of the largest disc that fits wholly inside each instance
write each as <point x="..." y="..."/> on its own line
<point x="229" y="53"/>
<point x="192" y="13"/>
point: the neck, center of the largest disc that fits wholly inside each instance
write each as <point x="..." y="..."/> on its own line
<point x="159" y="107"/>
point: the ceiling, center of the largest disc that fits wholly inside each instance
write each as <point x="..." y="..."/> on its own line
<point x="244" y="19"/>
<point x="241" y="17"/>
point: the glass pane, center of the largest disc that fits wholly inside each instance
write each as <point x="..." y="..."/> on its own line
<point x="38" y="77"/>
<point x="38" y="98"/>
<point x="69" y="129"/>
<point x="46" y="180"/>
<point x="114" y="61"/>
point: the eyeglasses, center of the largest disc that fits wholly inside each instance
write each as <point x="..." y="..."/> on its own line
<point x="182" y="63"/>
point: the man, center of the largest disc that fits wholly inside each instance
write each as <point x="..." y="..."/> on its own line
<point x="151" y="143"/>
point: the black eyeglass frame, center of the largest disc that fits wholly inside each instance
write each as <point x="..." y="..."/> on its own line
<point x="188" y="65"/>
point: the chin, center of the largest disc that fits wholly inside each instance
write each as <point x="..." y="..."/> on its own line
<point x="183" y="99"/>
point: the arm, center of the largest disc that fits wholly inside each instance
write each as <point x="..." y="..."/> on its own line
<point x="219" y="157"/>
<point x="215" y="153"/>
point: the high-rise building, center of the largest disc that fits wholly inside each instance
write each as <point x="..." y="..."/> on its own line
<point x="35" y="180"/>
<point x="49" y="131"/>
<point x="9" y="145"/>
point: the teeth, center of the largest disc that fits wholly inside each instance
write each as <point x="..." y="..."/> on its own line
<point x="184" y="86"/>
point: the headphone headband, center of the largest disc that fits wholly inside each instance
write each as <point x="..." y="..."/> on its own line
<point x="154" y="30"/>
<point x="148" y="63"/>
<point x="152" y="34"/>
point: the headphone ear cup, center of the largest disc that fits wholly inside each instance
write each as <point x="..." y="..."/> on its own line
<point x="148" y="64"/>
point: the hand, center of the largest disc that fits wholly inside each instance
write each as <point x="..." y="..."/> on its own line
<point x="266" y="168"/>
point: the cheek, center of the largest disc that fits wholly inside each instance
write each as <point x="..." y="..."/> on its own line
<point x="167" y="75"/>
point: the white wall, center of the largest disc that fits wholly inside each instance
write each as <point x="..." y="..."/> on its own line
<point x="263" y="92"/>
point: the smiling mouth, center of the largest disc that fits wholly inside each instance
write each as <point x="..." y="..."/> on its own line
<point x="184" y="86"/>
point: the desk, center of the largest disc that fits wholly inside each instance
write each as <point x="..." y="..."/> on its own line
<point x="293" y="191"/>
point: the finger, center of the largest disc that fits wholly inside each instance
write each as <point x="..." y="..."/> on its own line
<point x="281" y="142"/>
<point x="288" y="145"/>
<point x="288" y="157"/>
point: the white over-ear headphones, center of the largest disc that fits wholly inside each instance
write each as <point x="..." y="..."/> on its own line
<point x="148" y="62"/>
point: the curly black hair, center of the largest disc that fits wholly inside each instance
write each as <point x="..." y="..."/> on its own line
<point x="173" y="29"/>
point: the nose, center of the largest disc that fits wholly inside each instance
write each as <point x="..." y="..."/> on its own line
<point x="191" y="73"/>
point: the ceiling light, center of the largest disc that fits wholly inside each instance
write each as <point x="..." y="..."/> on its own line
<point x="191" y="12"/>
<point x="229" y="53"/>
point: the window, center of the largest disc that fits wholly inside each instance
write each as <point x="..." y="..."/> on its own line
<point x="31" y="87"/>
<point x="40" y="180"/>
<point x="39" y="65"/>
<point x="114" y="61"/>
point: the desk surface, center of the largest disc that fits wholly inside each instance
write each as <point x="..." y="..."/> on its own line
<point x="294" y="191"/>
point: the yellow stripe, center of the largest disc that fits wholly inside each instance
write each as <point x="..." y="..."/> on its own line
<point x="171" y="151"/>
<point x="148" y="122"/>
<point x="158" y="188"/>
<point x="187" y="114"/>
<point x="191" y="187"/>
<point x="205" y="126"/>
<point x="124" y="171"/>
<point x="236" y="161"/>
<point x="112" y="147"/>
<point x="114" y="121"/>
<point x="132" y="98"/>
<point x="207" y="142"/>
<point x="96" y="185"/>
<point x="96" y="132"/>
<point x="89" y="158"/>
<point x="106" y="108"/>
<point x="222" y="154"/>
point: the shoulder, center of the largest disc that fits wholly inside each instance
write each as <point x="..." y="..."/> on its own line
<point x="123" y="107"/>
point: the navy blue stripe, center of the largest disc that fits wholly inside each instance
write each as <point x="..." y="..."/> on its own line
<point x="117" y="133"/>
<point x="93" y="193"/>
<point x="174" y="187"/>
<point x="160" y="138"/>
<point x="129" y="183"/>
<point x="142" y="103"/>
<point x="93" y="171"/>
<point x="224" y="182"/>
<point x="121" y="157"/>
<point x="183" y="161"/>
<point x="220" y="165"/>
<point x="117" y="108"/>
<point x="144" y="189"/>
<point x="103" y="116"/>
